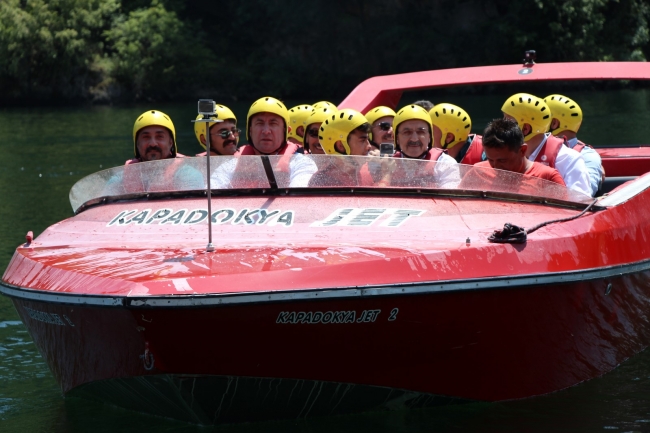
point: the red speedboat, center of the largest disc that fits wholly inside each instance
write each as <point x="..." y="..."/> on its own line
<point x="340" y="298"/>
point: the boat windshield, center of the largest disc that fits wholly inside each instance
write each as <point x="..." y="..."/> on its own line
<point x="308" y="171"/>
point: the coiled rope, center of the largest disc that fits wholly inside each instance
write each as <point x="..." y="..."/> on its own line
<point x="512" y="234"/>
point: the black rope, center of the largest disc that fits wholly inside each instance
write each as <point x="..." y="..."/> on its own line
<point x="513" y="234"/>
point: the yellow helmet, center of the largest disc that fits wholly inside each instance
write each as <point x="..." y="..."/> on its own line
<point x="267" y="104"/>
<point x="378" y="112"/>
<point x="451" y="118"/>
<point x="337" y="127"/>
<point x="411" y="112"/>
<point x="526" y="108"/>
<point x="298" y="115"/>
<point x="324" y="104"/>
<point x="221" y="112"/>
<point x="566" y="111"/>
<point x="150" y="118"/>
<point x="318" y="115"/>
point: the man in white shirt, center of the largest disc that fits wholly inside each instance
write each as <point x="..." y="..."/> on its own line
<point x="567" y="118"/>
<point x="533" y="116"/>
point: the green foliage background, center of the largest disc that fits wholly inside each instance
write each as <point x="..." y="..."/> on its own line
<point x="69" y="51"/>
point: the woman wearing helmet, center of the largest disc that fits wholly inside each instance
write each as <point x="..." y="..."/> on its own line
<point x="224" y="135"/>
<point x="533" y="116"/>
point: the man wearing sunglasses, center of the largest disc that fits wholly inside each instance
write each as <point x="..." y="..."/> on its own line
<point x="381" y="125"/>
<point x="224" y="135"/>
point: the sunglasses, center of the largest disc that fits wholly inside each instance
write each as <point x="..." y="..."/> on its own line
<point x="384" y="126"/>
<point x="313" y="132"/>
<point x="225" y="134"/>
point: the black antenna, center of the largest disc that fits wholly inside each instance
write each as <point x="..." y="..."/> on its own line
<point x="529" y="58"/>
<point x="207" y="108"/>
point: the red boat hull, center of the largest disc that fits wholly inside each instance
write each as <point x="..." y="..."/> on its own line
<point x="487" y="344"/>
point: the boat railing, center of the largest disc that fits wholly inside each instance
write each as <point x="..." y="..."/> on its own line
<point x="312" y="172"/>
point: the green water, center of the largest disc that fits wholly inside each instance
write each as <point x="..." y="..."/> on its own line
<point x="45" y="151"/>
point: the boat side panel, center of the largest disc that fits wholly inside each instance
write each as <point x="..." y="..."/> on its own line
<point x="81" y="343"/>
<point x="480" y="345"/>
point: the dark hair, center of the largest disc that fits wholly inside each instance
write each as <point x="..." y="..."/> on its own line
<point x="361" y="128"/>
<point x="427" y="105"/>
<point x="502" y="133"/>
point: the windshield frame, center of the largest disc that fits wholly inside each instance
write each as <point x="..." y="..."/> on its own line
<point x="284" y="190"/>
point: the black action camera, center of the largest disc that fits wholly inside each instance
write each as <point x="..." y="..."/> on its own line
<point x="386" y="149"/>
<point x="206" y="107"/>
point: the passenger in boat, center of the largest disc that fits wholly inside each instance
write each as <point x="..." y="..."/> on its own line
<point x="381" y="125"/>
<point x="312" y="143"/>
<point x="267" y="128"/>
<point x="297" y="117"/>
<point x="414" y="136"/>
<point x="224" y="135"/>
<point x="346" y="133"/>
<point x="505" y="149"/>
<point x="534" y="118"/>
<point x="154" y="137"/>
<point x="324" y="104"/>
<point x="427" y="105"/>
<point x="451" y="131"/>
<point x="565" y="123"/>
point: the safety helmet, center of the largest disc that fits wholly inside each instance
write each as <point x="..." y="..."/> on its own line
<point x="526" y="108"/>
<point x="451" y="118"/>
<point x="411" y="112"/>
<point x="298" y="115"/>
<point x="221" y="112"/>
<point x="151" y="118"/>
<point x="566" y="111"/>
<point x="267" y="104"/>
<point x="318" y="115"/>
<point x="337" y="127"/>
<point x="324" y="104"/>
<point x="377" y="113"/>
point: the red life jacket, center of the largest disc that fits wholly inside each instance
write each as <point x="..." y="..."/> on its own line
<point x="137" y="160"/>
<point x="432" y="155"/>
<point x="549" y="151"/>
<point x="241" y="179"/>
<point x="212" y="153"/>
<point x="578" y="147"/>
<point x="475" y="152"/>
<point x="133" y="182"/>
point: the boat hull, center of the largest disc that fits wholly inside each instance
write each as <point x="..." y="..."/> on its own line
<point x="428" y="345"/>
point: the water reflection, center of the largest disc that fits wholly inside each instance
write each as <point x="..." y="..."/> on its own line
<point x="41" y="161"/>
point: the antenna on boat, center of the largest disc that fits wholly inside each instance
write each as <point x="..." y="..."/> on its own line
<point x="207" y="109"/>
<point x="529" y="58"/>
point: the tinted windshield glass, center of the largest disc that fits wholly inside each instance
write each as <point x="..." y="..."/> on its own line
<point x="309" y="171"/>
